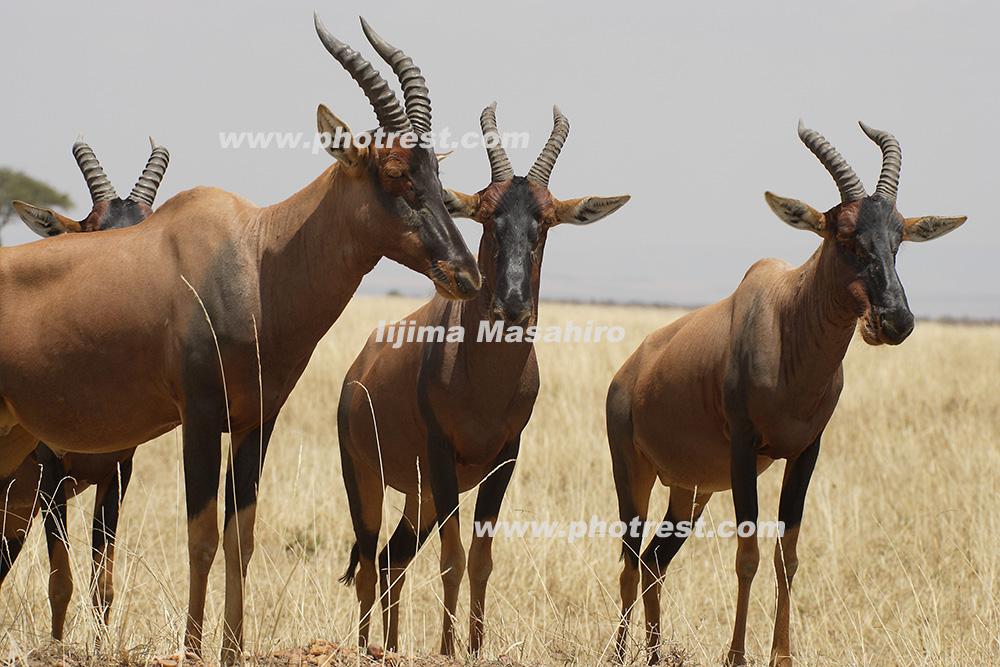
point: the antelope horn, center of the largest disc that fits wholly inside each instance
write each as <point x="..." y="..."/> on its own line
<point x="847" y="181"/>
<point x="145" y="188"/>
<point x="499" y="163"/>
<point x="892" y="159"/>
<point x="542" y="169"/>
<point x="390" y="115"/>
<point x="415" y="95"/>
<point x="97" y="181"/>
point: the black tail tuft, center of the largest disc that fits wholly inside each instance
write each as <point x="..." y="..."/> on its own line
<point x="352" y="567"/>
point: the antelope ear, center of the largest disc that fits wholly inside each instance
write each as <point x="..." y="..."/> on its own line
<point x="796" y="213"/>
<point x="929" y="227"/>
<point x="337" y="139"/>
<point x="45" y="221"/>
<point x="587" y="210"/>
<point x="460" y="205"/>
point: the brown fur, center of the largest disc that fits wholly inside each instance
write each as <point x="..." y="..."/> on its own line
<point x="449" y="415"/>
<point x="481" y="395"/>
<point x="78" y="471"/>
<point x="710" y="401"/>
<point x="112" y="339"/>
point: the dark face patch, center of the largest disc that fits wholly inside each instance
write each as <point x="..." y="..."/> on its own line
<point x="408" y="187"/>
<point x="516" y="226"/>
<point x="868" y="236"/>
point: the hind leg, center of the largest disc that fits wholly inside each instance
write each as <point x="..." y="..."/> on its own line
<point x="16" y="521"/>
<point x="18" y="506"/>
<point x="52" y="488"/>
<point x="15" y="446"/>
<point x="107" y="504"/>
<point x="364" y="497"/>
<point x="634" y="476"/>
<point x="684" y="509"/>
<point x="413" y="529"/>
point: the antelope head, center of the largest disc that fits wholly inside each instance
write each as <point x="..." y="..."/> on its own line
<point x="109" y="211"/>
<point x="516" y="213"/>
<point x="866" y="232"/>
<point x="397" y="169"/>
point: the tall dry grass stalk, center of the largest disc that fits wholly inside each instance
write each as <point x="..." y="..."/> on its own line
<point x="900" y="547"/>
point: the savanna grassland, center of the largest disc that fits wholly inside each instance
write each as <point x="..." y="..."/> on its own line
<point x="899" y="551"/>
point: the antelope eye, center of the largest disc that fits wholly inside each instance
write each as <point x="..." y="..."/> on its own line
<point x="394" y="172"/>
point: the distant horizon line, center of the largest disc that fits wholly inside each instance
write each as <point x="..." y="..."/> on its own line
<point x="665" y="305"/>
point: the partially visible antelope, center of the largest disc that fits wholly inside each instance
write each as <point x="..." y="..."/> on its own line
<point x="109" y="211"/>
<point x="45" y="481"/>
<point x="710" y="401"/>
<point x="449" y="415"/>
<point x="207" y="314"/>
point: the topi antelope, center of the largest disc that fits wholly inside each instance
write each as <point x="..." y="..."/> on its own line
<point x="207" y="314"/>
<point x="708" y="402"/>
<point x="449" y="414"/>
<point x="109" y="211"/>
<point x="45" y="481"/>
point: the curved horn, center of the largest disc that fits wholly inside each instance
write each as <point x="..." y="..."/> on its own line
<point x="847" y="181"/>
<point x="390" y="114"/>
<point x="892" y="159"/>
<point x="499" y="163"/>
<point x="415" y="95"/>
<point x="542" y="169"/>
<point x="145" y="188"/>
<point x="97" y="181"/>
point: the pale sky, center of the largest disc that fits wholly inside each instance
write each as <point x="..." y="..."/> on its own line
<point x="689" y="107"/>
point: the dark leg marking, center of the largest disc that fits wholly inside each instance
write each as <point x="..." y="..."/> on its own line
<point x="242" y="484"/>
<point x="488" y="502"/>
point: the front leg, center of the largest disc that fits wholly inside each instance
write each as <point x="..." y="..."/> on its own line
<point x="491" y="493"/>
<point x="444" y="487"/>
<point x="786" y="561"/>
<point x="743" y="473"/>
<point x="202" y="440"/>
<point x="242" y="480"/>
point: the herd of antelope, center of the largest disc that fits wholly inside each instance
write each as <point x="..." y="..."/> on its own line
<point x="236" y="298"/>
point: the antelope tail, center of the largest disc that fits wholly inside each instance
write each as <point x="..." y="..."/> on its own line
<point x="352" y="567"/>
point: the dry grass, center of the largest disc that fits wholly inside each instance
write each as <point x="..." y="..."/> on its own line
<point x="900" y="549"/>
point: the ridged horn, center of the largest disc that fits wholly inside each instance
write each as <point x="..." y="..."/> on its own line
<point x="892" y="160"/>
<point x="97" y="181"/>
<point x="387" y="109"/>
<point x="415" y="95"/>
<point x="542" y="169"/>
<point x="499" y="163"/>
<point x="847" y="181"/>
<point x="145" y="188"/>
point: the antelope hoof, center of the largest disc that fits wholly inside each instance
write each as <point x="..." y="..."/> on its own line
<point x="230" y="657"/>
<point x="780" y="661"/>
<point x="735" y="659"/>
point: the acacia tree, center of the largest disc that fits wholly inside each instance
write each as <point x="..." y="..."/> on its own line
<point x="18" y="185"/>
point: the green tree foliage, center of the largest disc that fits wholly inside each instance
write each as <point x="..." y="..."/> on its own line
<point x="18" y="185"/>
